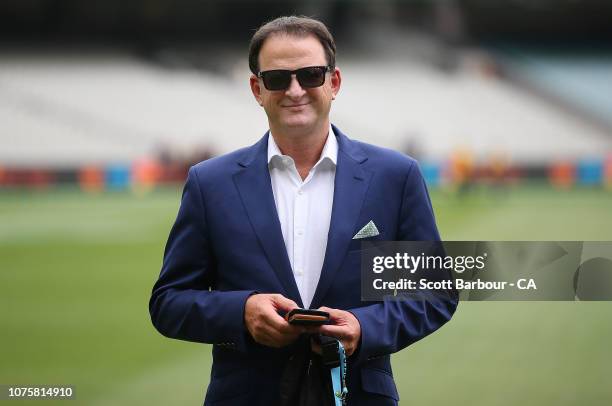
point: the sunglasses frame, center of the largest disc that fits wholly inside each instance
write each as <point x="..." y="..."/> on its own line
<point x="296" y="72"/>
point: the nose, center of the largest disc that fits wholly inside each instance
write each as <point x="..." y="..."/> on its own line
<point x="294" y="90"/>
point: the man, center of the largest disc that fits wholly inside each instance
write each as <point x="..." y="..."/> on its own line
<point x="275" y="226"/>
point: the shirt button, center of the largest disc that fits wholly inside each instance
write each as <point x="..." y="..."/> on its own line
<point x="300" y="232"/>
<point x="300" y="192"/>
<point x="299" y="272"/>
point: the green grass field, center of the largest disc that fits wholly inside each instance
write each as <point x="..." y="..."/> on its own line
<point x="76" y="273"/>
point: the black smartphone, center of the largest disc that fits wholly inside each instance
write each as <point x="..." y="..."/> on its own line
<point x="306" y="317"/>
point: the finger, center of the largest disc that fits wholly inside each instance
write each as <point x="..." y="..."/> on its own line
<point x="283" y="303"/>
<point x="274" y="338"/>
<point x="269" y="313"/>
<point x="282" y="327"/>
<point x="283" y="338"/>
<point x="333" y="313"/>
<point x="278" y="323"/>
<point x="349" y="350"/>
<point x="333" y="331"/>
<point x="330" y="310"/>
<point x="290" y="330"/>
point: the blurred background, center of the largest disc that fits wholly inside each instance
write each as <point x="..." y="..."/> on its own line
<point x="507" y="105"/>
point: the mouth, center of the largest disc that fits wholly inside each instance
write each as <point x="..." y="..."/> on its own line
<point x="295" y="105"/>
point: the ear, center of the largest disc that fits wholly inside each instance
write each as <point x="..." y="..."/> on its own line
<point x="336" y="81"/>
<point x="256" y="89"/>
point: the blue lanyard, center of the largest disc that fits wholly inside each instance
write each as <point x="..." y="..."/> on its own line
<point x="338" y="376"/>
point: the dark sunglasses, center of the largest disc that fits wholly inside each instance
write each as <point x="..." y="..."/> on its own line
<point x="280" y="79"/>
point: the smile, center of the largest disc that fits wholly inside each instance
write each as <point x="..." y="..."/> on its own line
<point x="296" y="105"/>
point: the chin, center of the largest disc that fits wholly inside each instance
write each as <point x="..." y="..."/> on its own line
<point x="298" y="122"/>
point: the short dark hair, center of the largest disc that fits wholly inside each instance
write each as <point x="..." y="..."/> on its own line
<point x="298" y="26"/>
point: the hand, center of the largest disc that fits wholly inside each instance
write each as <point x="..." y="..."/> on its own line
<point x="344" y="326"/>
<point x="264" y="323"/>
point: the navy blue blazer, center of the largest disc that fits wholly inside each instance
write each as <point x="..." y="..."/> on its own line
<point x="227" y="243"/>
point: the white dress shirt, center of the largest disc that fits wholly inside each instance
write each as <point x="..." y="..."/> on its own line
<point x="304" y="210"/>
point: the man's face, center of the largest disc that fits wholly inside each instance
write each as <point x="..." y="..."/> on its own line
<point x="295" y="110"/>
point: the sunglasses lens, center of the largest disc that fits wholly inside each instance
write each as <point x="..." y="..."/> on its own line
<point x="276" y="79"/>
<point x="311" y="77"/>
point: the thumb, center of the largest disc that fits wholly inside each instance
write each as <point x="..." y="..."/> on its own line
<point x="333" y="313"/>
<point x="283" y="303"/>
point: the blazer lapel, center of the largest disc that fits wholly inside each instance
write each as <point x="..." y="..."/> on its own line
<point x="350" y="187"/>
<point x="255" y="189"/>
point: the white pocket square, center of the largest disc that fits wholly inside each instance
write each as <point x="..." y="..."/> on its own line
<point x="369" y="230"/>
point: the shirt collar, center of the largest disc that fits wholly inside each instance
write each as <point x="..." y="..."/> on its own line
<point x="329" y="152"/>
